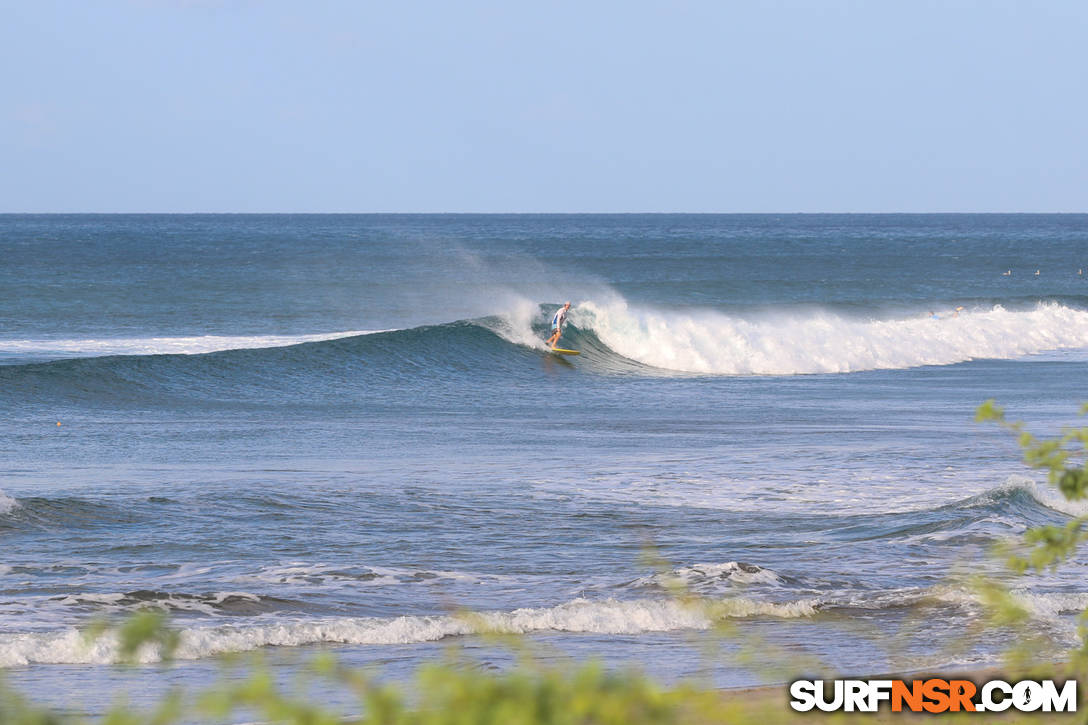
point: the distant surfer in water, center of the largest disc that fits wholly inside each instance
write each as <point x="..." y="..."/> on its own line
<point x="955" y="313"/>
<point x="557" y="325"/>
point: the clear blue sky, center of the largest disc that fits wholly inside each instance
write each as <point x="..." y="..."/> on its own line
<point x="741" y="106"/>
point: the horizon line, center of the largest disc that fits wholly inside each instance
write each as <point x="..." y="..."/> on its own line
<point x="535" y="213"/>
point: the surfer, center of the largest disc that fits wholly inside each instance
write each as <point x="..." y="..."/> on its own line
<point x="955" y="313"/>
<point x="557" y="325"/>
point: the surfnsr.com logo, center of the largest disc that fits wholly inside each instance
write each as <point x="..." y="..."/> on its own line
<point x="933" y="695"/>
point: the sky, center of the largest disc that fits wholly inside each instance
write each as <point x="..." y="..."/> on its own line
<point x="509" y="106"/>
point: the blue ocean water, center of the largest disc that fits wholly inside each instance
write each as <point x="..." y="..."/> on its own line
<point x="335" y="432"/>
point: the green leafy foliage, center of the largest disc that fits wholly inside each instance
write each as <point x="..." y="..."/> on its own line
<point x="143" y="629"/>
<point x="1063" y="459"/>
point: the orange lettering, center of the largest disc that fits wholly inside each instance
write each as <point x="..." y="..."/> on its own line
<point x="913" y="696"/>
<point x="961" y="693"/>
<point x="936" y="691"/>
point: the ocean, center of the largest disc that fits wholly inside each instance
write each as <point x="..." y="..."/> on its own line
<point x="302" y="434"/>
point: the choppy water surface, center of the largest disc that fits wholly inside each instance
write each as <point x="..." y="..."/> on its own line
<point x="335" y="431"/>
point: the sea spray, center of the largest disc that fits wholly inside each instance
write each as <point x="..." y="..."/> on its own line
<point x="7" y="503"/>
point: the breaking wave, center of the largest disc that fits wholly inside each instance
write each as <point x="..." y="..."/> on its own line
<point x="581" y="616"/>
<point x="577" y="616"/>
<point x="822" y="341"/>
<point x="614" y="338"/>
<point x="709" y="578"/>
<point x="7" y="503"/>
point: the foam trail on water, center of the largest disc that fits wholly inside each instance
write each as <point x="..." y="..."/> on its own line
<point x="579" y="615"/>
<point x="707" y="341"/>
<point x="94" y="347"/>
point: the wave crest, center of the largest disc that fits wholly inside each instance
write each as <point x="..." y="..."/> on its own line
<point x="609" y="616"/>
<point x="709" y="578"/>
<point x="583" y="616"/>
<point x="1042" y="494"/>
<point x="706" y="341"/>
<point x="7" y="503"/>
<point x="236" y="603"/>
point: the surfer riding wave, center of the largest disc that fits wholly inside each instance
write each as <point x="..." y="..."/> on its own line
<point x="558" y="320"/>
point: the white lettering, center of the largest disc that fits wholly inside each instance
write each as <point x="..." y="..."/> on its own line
<point x="821" y="699"/>
<point x="988" y="702"/>
<point x="1027" y="696"/>
<point x="1065" y="701"/>
<point x="803" y="693"/>
<point x="879" y="690"/>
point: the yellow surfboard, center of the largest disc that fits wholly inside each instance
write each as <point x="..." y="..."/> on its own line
<point x="561" y="351"/>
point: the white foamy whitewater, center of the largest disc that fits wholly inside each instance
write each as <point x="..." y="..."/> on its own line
<point x="615" y="617"/>
<point x="707" y="341"/>
<point x="7" y="503"/>
<point x="195" y="345"/>
<point x="578" y="616"/>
